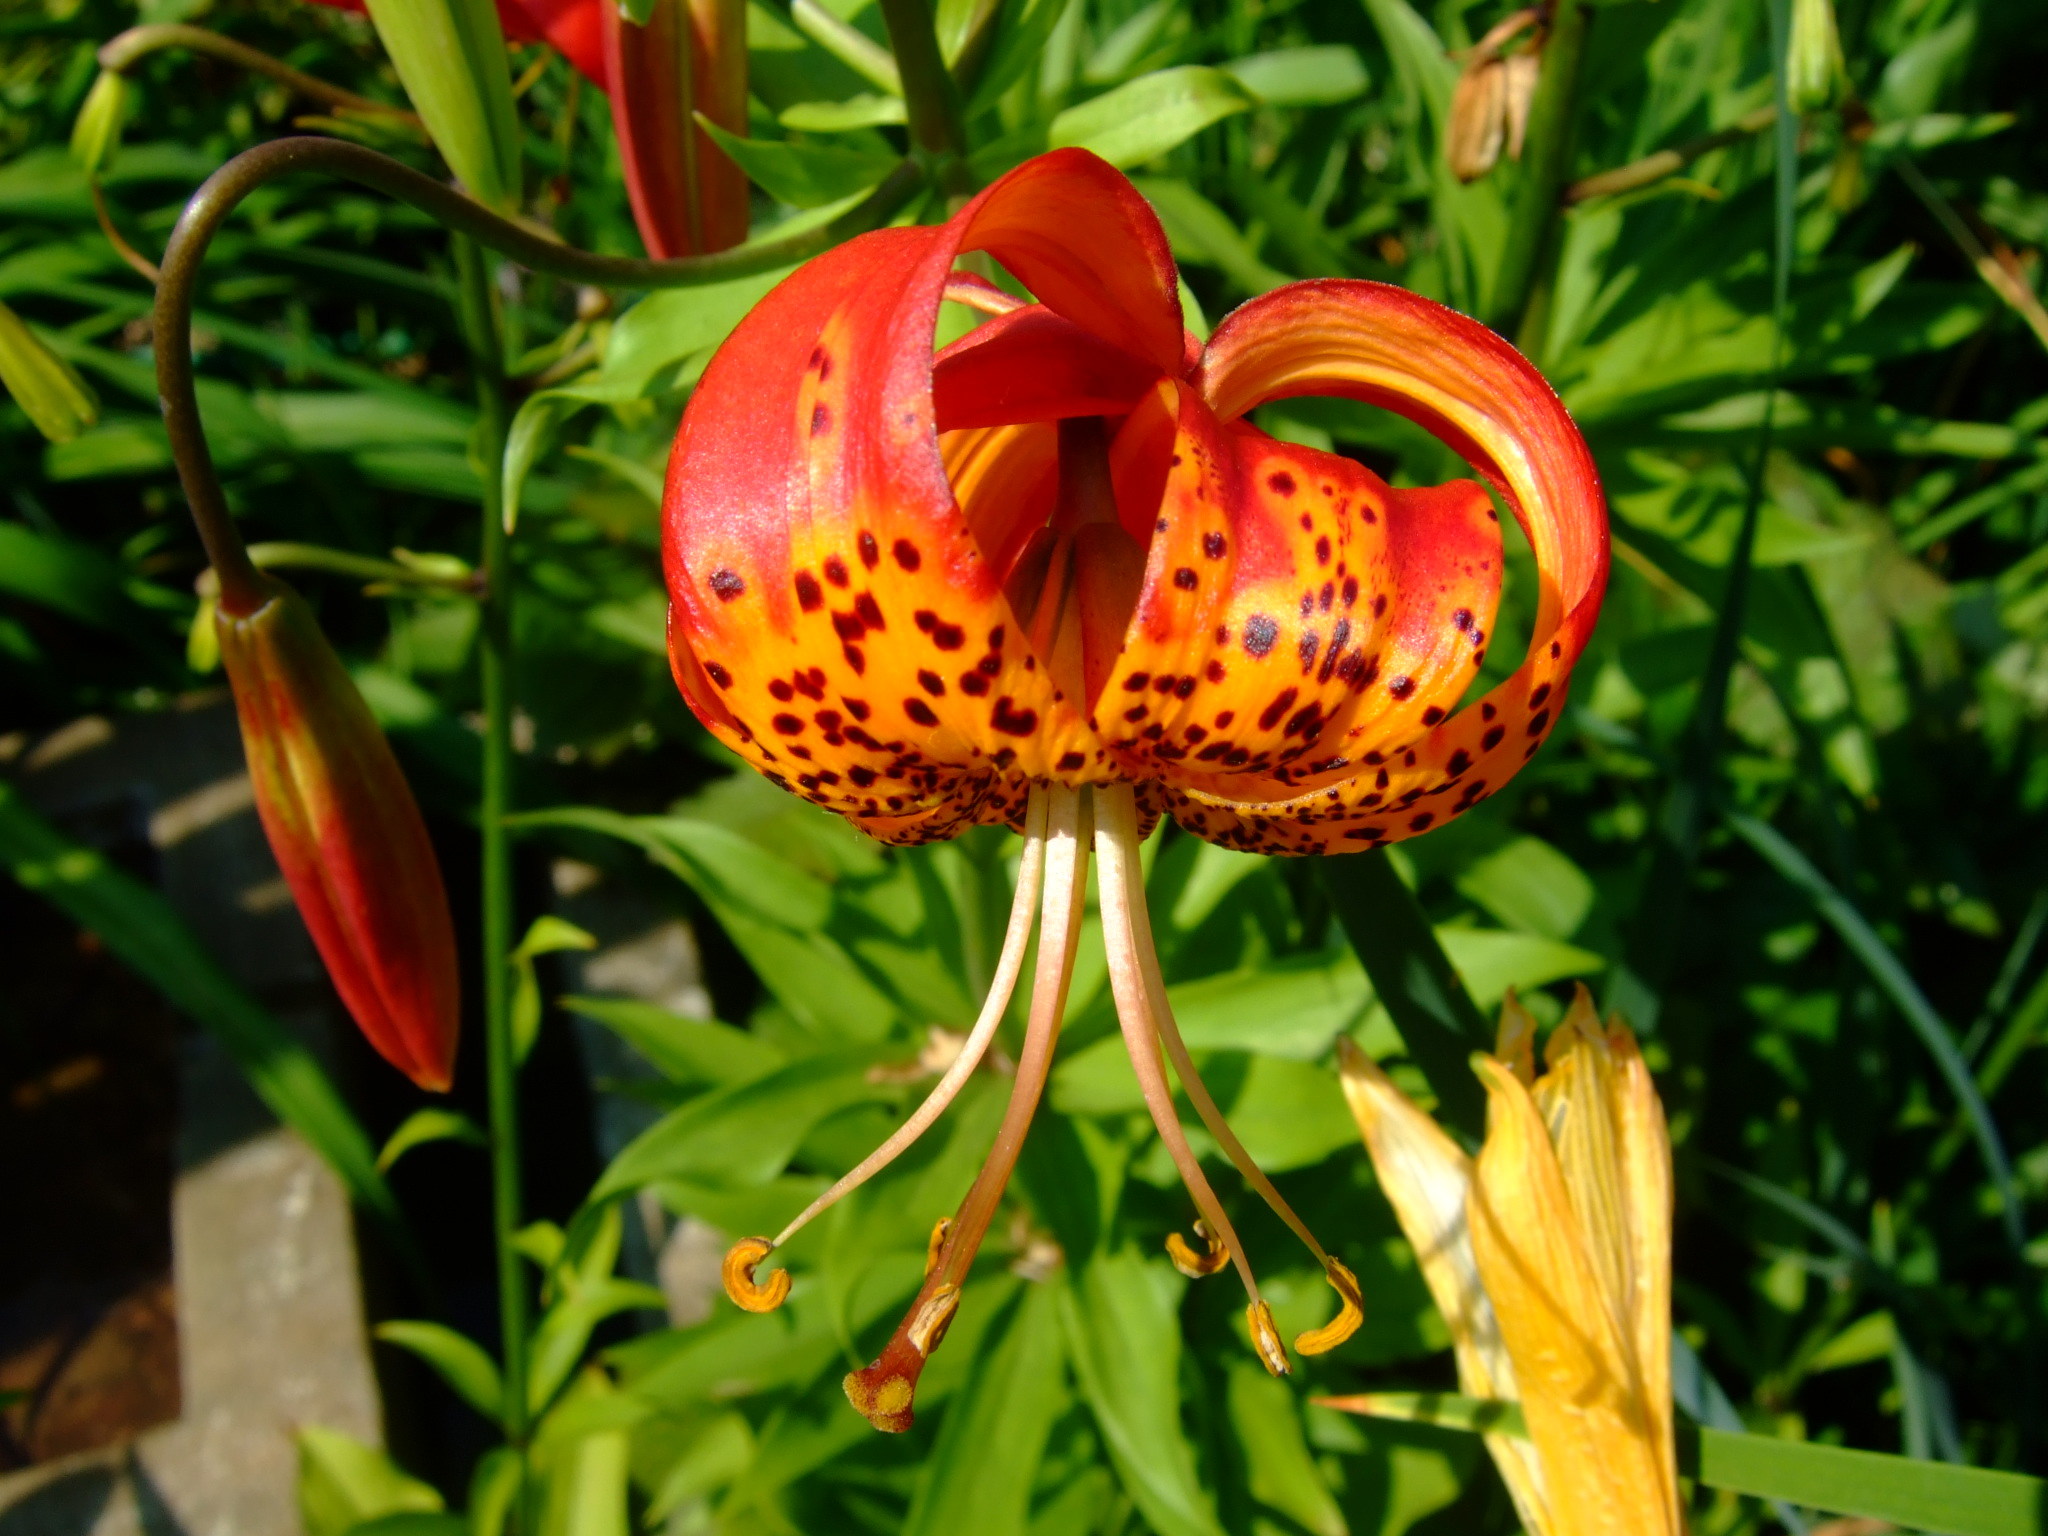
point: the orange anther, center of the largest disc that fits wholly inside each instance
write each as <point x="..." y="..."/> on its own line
<point x="1320" y="1341"/>
<point x="738" y="1275"/>
<point x="1192" y="1264"/>
<point x="1266" y="1338"/>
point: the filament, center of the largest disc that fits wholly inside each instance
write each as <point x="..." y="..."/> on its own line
<point x="1128" y="928"/>
<point x="883" y="1392"/>
<point x="1123" y="905"/>
<point x="1030" y="876"/>
<point x="977" y="292"/>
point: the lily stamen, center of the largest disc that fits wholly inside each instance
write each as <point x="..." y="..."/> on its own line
<point x="1127" y="930"/>
<point x="1009" y="964"/>
<point x="883" y="1392"/>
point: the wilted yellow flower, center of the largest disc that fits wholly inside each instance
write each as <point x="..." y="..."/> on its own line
<point x="1550" y="1259"/>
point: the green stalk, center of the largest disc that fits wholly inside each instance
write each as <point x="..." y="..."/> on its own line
<point x="501" y="1066"/>
<point x="930" y="94"/>
<point x="1520" y="304"/>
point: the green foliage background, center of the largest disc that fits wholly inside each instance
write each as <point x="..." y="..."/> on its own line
<point x="1825" y="917"/>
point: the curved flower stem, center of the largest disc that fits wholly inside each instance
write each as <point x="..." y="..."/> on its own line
<point x="223" y="192"/>
<point x="283" y="555"/>
<point x="930" y="94"/>
<point x="125" y="50"/>
<point x="1030" y="880"/>
<point x="501" y="1063"/>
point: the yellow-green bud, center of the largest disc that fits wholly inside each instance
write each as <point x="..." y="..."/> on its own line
<point x="56" y="399"/>
<point x="1813" y="56"/>
<point x="450" y="56"/>
<point x="97" y="132"/>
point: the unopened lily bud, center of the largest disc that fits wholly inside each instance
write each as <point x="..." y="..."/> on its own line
<point x="346" y="831"/>
<point x="450" y="56"/>
<point x="687" y="57"/>
<point x="46" y="387"/>
<point x="98" y="127"/>
<point x="1813" y="56"/>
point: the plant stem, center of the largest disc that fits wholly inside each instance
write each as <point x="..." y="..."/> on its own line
<point x="930" y="94"/>
<point x="480" y="331"/>
<point x="1546" y="153"/>
<point x="124" y="51"/>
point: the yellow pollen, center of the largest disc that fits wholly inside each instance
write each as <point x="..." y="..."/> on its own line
<point x="937" y="1244"/>
<point x="1351" y="1313"/>
<point x="1266" y="1338"/>
<point x="738" y="1274"/>
<point x="1192" y="1264"/>
<point x="928" y="1328"/>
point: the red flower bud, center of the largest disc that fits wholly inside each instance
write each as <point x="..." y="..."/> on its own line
<point x="688" y="197"/>
<point x="347" y="833"/>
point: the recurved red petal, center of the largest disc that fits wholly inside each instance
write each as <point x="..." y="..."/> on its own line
<point x="1391" y="348"/>
<point x="823" y="576"/>
<point x="1034" y="365"/>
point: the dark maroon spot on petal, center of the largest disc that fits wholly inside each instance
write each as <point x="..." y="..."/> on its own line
<point x="1070" y="762"/>
<point x="1185" y="687"/>
<point x="1280" y="483"/>
<point x="1461" y="619"/>
<point x="869" y="554"/>
<point x="1195" y="733"/>
<point x="1210" y="753"/>
<point x="855" y="658"/>
<point x="1311" y="642"/>
<point x="1539" y="696"/>
<point x="1011" y="721"/>
<point x="1236" y="757"/>
<point x="1555" y="650"/>
<point x="727" y="584"/>
<point x="920" y="712"/>
<point x="1185" y="578"/>
<point x="906" y="554"/>
<point x="808" y="594"/>
<point x="1279" y="707"/>
<point x="1400" y="687"/>
<point x="858" y="708"/>
<point x="1421" y="823"/>
<point x="782" y="691"/>
<point x="1323" y="550"/>
<point x="1492" y="737"/>
<point x="974" y="683"/>
<point x="869" y="610"/>
<point x="847" y="626"/>
<point x="1136" y="713"/>
<point x="948" y="637"/>
<point x="1324" y="597"/>
<point x="1259" y="634"/>
<point x="1136" y="682"/>
<point x="1458" y="762"/>
<point x="863" y="777"/>
<point x="788" y="725"/>
<point x="1215" y="672"/>
<point x="718" y="674"/>
<point x="1350" y="590"/>
<point x="1537" y="725"/>
<point x="1224" y="718"/>
<point x="1338" y="638"/>
<point x="1431" y="715"/>
<point x="835" y="570"/>
<point x="821" y="421"/>
<point x="1213" y="545"/>
<point x="931" y="683"/>
<point x="1379" y="604"/>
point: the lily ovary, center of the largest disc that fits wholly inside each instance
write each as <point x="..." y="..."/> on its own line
<point x="1550" y="1260"/>
<point x="1051" y="576"/>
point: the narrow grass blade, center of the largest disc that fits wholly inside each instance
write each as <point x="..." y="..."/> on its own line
<point x="1438" y="1021"/>
<point x="1884" y="967"/>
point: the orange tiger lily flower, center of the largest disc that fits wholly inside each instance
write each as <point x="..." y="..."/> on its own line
<point x="1052" y="577"/>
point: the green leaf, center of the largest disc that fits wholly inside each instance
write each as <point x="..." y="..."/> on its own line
<point x="982" y="1468"/>
<point x="1927" y="1496"/>
<point x="1281" y="1471"/>
<point x="458" y="1359"/>
<point x="803" y="175"/>
<point x="73" y="578"/>
<point x="1528" y="884"/>
<point x="46" y="387"/>
<point x="1446" y="1410"/>
<point x="548" y="935"/>
<point x="1144" y="118"/>
<point x="1439" y="1023"/>
<point x="1122" y="1324"/>
<point x="142" y="928"/>
<point x="587" y="1497"/>
<point x="745" y="1134"/>
<point x="1324" y="76"/>
<point x="687" y="1051"/>
<point x="430" y="1124"/>
<point x="1204" y="234"/>
<point x="717" y="1453"/>
<point x="450" y="54"/>
<point x="1491" y="961"/>
<point x="1897" y="983"/>
<point x="343" y="1483"/>
<point x="564" y="1332"/>
<point x="863" y="111"/>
